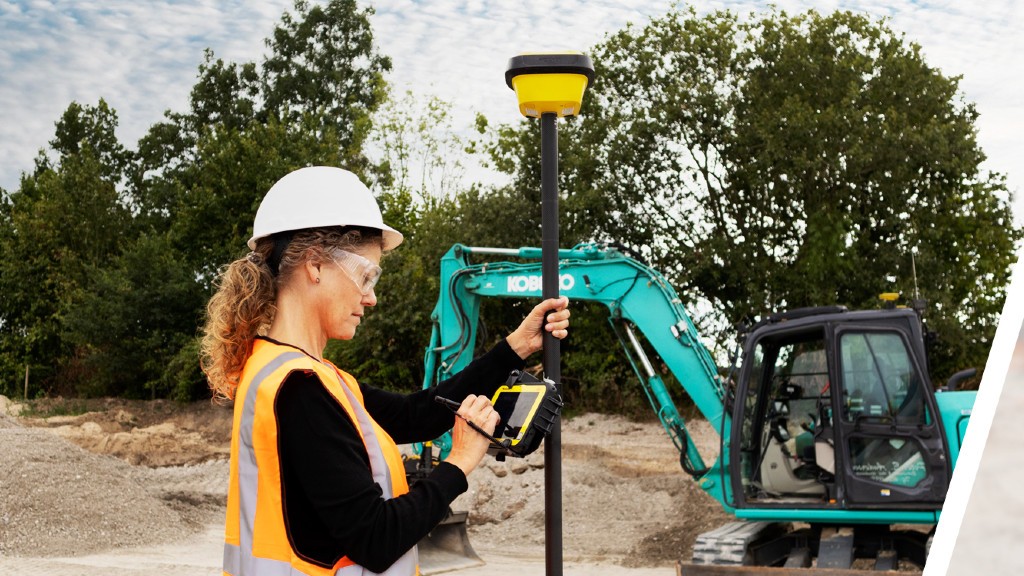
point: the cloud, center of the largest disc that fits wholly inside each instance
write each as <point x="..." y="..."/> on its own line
<point x="142" y="57"/>
<point x="459" y="52"/>
<point x="981" y="43"/>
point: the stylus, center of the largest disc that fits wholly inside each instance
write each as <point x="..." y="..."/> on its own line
<point x="454" y="406"/>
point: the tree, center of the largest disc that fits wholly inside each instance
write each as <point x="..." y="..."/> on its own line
<point x="65" y="218"/>
<point x="323" y="64"/>
<point x="205" y="171"/>
<point x="309" y="102"/>
<point x="222" y="103"/>
<point x="322" y="73"/>
<point x="107" y="255"/>
<point x="785" y="161"/>
<point x="128" y="321"/>
<point x="213" y="215"/>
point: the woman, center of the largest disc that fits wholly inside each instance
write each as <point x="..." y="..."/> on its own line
<point x="317" y="483"/>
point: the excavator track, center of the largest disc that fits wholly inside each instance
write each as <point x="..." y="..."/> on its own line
<point x="781" y="548"/>
<point x="730" y="544"/>
<point x="708" y="570"/>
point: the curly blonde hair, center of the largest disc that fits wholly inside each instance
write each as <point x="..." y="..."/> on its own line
<point x="245" y="302"/>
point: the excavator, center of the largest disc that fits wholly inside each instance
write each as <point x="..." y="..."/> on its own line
<point x="835" y="450"/>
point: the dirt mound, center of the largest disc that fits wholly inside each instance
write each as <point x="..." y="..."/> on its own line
<point x="8" y="408"/>
<point x="6" y="422"/>
<point x="57" y="499"/>
<point x="624" y="497"/>
<point x="160" y="445"/>
<point x="147" y="433"/>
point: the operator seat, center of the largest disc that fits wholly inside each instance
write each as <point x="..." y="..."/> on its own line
<point x="783" y="468"/>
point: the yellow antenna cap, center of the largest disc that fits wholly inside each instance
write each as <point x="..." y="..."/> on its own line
<point x="551" y="83"/>
<point x="889" y="296"/>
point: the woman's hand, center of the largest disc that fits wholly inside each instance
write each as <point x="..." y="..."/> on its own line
<point x="529" y="337"/>
<point x="468" y="445"/>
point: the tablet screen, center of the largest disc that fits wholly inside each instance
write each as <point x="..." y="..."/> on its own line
<point x="514" y="408"/>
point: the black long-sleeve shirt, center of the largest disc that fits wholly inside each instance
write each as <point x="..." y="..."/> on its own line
<point x="332" y="506"/>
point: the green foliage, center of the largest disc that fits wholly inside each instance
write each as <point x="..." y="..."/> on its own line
<point x="308" y="103"/>
<point x="214" y="212"/>
<point x="88" y="130"/>
<point x="786" y="161"/>
<point x="130" y="318"/>
<point x="763" y="163"/>
<point x="323" y="65"/>
<point x="108" y="254"/>
<point x="183" y="376"/>
<point x="596" y="374"/>
<point x="222" y="104"/>
<point x="63" y="220"/>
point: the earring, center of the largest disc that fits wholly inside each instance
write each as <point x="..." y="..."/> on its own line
<point x="317" y="279"/>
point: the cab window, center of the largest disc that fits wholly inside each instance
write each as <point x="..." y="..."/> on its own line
<point x="881" y="386"/>
<point x="880" y="382"/>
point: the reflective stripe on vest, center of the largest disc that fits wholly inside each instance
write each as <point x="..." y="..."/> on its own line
<point x="239" y="559"/>
<point x="379" y="467"/>
<point x="408" y="564"/>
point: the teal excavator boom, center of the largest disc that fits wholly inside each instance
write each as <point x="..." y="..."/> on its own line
<point x="636" y="296"/>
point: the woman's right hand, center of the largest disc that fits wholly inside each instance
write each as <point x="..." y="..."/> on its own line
<point x="468" y="445"/>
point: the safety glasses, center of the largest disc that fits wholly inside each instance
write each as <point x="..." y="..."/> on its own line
<point x="362" y="271"/>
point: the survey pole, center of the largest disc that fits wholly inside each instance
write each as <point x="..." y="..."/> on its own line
<point x="547" y="87"/>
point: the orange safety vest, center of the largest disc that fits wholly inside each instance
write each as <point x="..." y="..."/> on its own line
<point x="255" y="539"/>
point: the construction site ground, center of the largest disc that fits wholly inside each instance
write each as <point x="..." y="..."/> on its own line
<point x="115" y="487"/>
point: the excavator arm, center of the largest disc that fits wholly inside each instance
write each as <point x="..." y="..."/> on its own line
<point x="638" y="298"/>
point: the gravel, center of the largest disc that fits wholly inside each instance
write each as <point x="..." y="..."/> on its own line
<point x="59" y="500"/>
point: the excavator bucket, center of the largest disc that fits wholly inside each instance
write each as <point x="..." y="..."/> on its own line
<point x="447" y="547"/>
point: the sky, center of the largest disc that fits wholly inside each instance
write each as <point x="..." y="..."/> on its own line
<point x="142" y="57"/>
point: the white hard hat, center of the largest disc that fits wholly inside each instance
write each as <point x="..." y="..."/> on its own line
<point x="319" y="196"/>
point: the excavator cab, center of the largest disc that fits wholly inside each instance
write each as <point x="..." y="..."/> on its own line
<point x="837" y="412"/>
